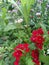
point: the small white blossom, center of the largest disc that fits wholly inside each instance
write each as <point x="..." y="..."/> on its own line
<point x="47" y="6"/>
<point x="32" y="10"/>
<point x="19" y="21"/>
<point x="9" y="11"/>
<point x="12" y="11"/>
<point x="0" y="47"/>
<point x="10" y="22"/>
<point x="48" y="51"/>
<point x="16" y="21"/>
<point x="38" y="14"/>
<point x="40" y="1"/>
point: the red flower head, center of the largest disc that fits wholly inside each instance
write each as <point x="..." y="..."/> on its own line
<point x="20" y="46"/>
<point x="40" y="31"/>
<point x="35" y="56"/>
<point x="24" y="47"/>
<point x="17" y="54"/>
<point x="16" y="63"/>
<point x="39" y="39"/>
<point x="39" y="46"/>
<point x="33" y="39"/>
<point x="37" y="32"/>
<point x="35" y="53"/>
<point x="48" y="32"/>
<point x="36" y="61"/>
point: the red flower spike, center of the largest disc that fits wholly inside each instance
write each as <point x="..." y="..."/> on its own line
<point x="39" y="39"/>
<point x="35" y="33"/>
<point x="36" y="61"/>
<point x="40" y="31"/>
<point x="35" y="54"/>
<point x="17" y="54"/>
<point x="48" y="32"/>
<point x="27" y="50"/>
<point x="23" y="47"/>
<point x="16" y="63"/>
<point x="20" y="46"/>
<point x="26" y="47"/>
<point x="33" y="39"/>
<point x="39" y="46"/>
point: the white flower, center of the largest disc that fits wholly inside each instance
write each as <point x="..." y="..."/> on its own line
<point x="32" y="10"/>
<point x="16" y="21"/>
<point x="19" y="21"/>
<point x="10" y="0"/>
<point x="0" y="47"/>
<point x="10" y="23"/>
<point x="38" y="14"/>
<point x="48" y="51"/>
<point x="9" y="11"/>
<point x="40" y="1"/>
<point x="47" y="5"/>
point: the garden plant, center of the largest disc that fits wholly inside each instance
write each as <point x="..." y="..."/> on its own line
<point x="24" y="32"/>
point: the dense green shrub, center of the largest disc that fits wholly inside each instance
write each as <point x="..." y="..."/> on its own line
<point x="17" y="21"/>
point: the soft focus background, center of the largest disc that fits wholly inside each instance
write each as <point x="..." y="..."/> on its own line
<point x="17" y="20"/>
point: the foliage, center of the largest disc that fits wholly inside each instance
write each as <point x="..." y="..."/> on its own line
<point x="17" y="21"/>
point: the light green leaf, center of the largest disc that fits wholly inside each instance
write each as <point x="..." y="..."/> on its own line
<point x="1" y="62"/>
<point x="29" y="61"/>
<point x="43" y="27"/>
<point x="32" y="46"/>
<point x="9" y="27"/>
<point x="26" y="6"/>
<point x="44" y="59"/>
<point x="46" y="64"/>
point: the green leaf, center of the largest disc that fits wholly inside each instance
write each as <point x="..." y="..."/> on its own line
<point x="26" y="6"/>
<point x="1" y="41"/>
<point x="46" y="64"/>
<point x="13" y="2"/>
<point x="43" y="27"/>
<point x="2" y="62"/>
<point x="44" y="59"/>
<point x="32" y="46"/>
<point x="7" y="61"/>
<point x="9" y="27"/>
<point x="29" y="2"/>
<point x="29" y="61"/>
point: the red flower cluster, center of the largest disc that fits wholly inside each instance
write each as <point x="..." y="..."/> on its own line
<point x="19" y="52"/>
<point x="37" y="38"/>
<point x="22" y="49"/>
<point x="38" y="32"/>
<point x="48" y="32"/>
<point x="35" y="56"/>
